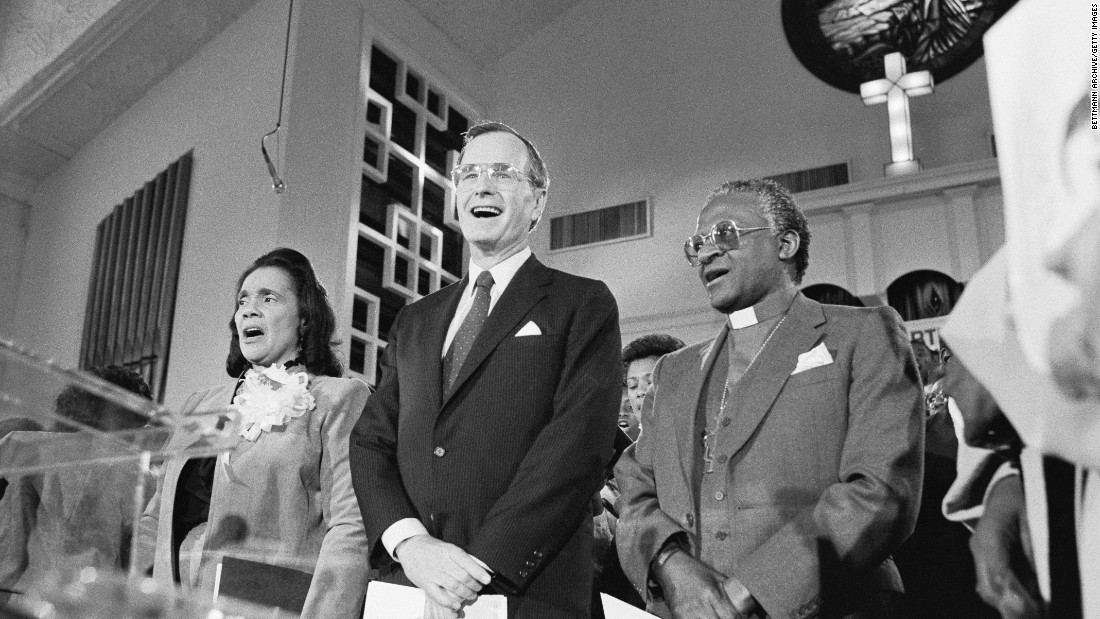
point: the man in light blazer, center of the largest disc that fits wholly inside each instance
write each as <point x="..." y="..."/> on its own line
<point x="476" y="460"/>
<point x="779" y="464"/>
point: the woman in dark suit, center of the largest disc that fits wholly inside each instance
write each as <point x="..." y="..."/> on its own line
<point x="283" y="495"/>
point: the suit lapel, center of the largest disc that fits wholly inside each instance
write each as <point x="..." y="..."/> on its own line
<point x="217" y="400"/>
<point x="434" y="334"/>
<point x="757" y="390"/>
<point x="526" y="289"/>
<point x="692" y="395"/>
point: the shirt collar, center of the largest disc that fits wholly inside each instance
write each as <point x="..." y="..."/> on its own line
<point x="772" y="306"/>
<point x="503" y="271"/>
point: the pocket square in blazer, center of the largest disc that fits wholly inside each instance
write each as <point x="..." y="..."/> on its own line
<point x="815" y="357"/>
<point x="529" y="329"/>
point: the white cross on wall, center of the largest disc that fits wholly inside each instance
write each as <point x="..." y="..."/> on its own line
<point x="895" y="89"/>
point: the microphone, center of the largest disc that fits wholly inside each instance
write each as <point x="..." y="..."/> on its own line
<point x="277" y="184"/>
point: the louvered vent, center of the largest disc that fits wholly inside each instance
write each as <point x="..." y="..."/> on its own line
<point x="814" y="178"/>
<point x="614" y="223"/>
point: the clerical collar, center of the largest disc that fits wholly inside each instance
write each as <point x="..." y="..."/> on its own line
<point x="773" y="305"/>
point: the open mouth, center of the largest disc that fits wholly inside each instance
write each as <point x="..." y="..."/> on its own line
<point x="485" y="211"/>
<point x="623" y="423"/>
<point x="252" y="333"/>
<point x="714" y="274"/>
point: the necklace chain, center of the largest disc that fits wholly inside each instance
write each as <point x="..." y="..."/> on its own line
<point x="708" y="457"/>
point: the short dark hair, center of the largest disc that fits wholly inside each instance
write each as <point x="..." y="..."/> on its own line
<point x="536" y="167"/>
<point x="84" y="407"/>
<point x="779" y="208"/>
<point x="914" y="343"/>
<point x="654" y="345"/>
<point x="315" y="337"/>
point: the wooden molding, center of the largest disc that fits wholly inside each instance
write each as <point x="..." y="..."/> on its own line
<point x="892" y="189"/>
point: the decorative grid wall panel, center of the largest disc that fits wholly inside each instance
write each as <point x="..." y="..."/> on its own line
<point x="408" y="243"/>
<point x="132" y="290"/>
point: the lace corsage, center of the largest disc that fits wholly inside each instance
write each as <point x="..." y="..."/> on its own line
<point x="271" y="397"/>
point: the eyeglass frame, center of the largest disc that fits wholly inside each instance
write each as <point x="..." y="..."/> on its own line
<point x="710" y="236"/>
<point x="485" y="168"/>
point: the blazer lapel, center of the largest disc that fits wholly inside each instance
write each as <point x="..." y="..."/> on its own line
<point x="691" y="395"/>
<point x="434" y="335"/>
<point x="181" y="439"/>
<point x="757" y="390"/>
<point x="525" y="290"/>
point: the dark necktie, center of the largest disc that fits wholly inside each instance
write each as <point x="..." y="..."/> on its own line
<point x="471" y="326"/>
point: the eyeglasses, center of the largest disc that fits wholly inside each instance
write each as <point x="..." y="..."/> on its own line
<point x="504" y="176"/>
<point x="726" y="236"/>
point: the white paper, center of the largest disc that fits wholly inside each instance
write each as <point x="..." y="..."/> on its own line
<point x="614" y="608"/>
<point x="390" y="601"/>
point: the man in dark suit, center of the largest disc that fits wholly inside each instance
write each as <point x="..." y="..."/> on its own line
<point x="476" y="460"/>
<point x="779" y="465"/>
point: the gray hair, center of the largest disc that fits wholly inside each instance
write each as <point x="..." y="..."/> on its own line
<point x="779" y="208"/>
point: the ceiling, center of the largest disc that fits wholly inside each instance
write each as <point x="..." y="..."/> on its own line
<point x="106" y="69"/>
<point x="489" y="29"/>
<point x="136" y="43"/>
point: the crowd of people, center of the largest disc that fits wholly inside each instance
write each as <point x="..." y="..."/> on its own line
<point x="801" y="463"/>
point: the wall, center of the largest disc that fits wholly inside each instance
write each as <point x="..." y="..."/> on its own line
<point x="625" y="102"/>
<point x="422" y="44"/>
<point x="865" y="235"/>
<point x="629" y="100"/>
<point x="13" y="242"/>
<point x="34" y="32"/>
<point x="218" y="103"/>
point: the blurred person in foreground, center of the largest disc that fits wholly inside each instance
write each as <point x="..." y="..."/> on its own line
<point x="779" y="465"/>
<point x="73" y="516"/>
<point x="935" y="562"/>
<point x="283" y="495"/>
<point x="1003" y="556"/>
<point x="1026" y="329"/>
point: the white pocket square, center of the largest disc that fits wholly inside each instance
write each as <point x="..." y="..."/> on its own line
<point x="815" y="357"/>
<point x="529" y="329"/>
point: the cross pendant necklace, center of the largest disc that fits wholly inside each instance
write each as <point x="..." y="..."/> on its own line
<point x="708" y="454"/>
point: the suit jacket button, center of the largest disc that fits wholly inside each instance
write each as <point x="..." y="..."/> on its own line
<point x="721" y="535"/>
<point x="529" y="563"/>
<point x="439" y="451"/>
<point x="690" y="519"/>
<point x="523" y="573"/>
<point x="538" y="554"/>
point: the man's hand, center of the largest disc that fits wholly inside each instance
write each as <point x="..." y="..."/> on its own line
<point x="447" y="574"/>
<point x="435" y="611"/>
<point x="693" y="589"/>
<point x="1002" y="549"/>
